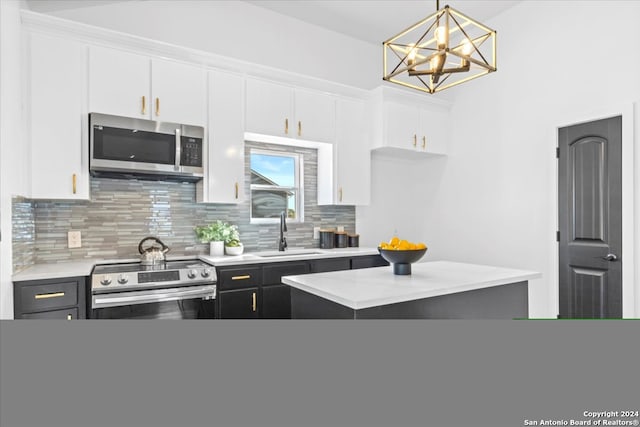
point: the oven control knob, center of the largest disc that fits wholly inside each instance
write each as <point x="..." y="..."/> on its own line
<point x="106" y="281"/>
<point x="192" y="274"/>
<point x="206" y="272"/>
<point x="122" y="279"/>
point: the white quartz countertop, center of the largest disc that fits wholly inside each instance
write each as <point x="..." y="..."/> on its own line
<point x="85" y="267"/>
<point x="288" y="255"/>
<point x="372" y="287"/>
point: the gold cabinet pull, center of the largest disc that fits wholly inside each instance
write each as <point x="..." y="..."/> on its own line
<point x="424" y="142"/>
<point x="415" y="139"/>
<point x="340" y="191"/>
<point x="144" y="104"/>
<point x="157" y="106"/>
<point x="236" y="191"/>
<point x="253" y="301"/>
<point x="74" y="183"/>
<point x="299" y="128"/>
<point x="286" y="126"/>
<point x="245" y="277"/>
<point x="50" y="295"/>
<point x="69" y="317"/>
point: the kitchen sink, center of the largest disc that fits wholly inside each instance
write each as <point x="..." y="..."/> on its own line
<point x="292" y="252"/>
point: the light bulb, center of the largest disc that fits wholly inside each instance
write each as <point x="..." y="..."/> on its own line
<point x="433" y="63"/>
<point x="467" y="47"/>
<point x="411" y="56"/>
<point x="441" y="35"/>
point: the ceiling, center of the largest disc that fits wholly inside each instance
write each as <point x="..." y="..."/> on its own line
<point x="369" y="20"/>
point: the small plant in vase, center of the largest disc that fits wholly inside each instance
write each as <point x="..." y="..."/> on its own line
<point x="217" y="234"/>
<point x="233" y="247"/>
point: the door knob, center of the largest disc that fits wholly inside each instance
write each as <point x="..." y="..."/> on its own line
<point x="610" y="257"/>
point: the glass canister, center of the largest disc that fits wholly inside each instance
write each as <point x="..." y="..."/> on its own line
<point x="354" y="240"/>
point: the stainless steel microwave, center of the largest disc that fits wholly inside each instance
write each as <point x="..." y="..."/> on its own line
<point x="126" y="147"/>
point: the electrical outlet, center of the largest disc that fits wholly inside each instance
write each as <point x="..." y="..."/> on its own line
<point x="341" y="228"/>
<point x="74" y="239"/>
<point x="316" y="232"/>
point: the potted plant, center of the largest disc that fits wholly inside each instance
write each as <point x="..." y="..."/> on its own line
<point x="217" y="234"/>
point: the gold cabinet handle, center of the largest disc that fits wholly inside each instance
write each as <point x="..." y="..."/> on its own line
<point x="157" y="106"/>
<point x="286" y="126"/>
<point x="340" y="191"/>
<point x="236" y="191"/>
<point x="253" y="301"/>
<point x="144" y="104"/>
<point x="415" y="139"/>
<point x="69" y="317"/>
<point x="299" y="128"/>
<point x="245" y="277"/>
<point x="74" y="183"/>
<point x="424" y="142"/>
<point x="50" y="295"/>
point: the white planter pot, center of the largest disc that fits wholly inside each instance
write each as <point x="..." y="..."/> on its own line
<point x="216" y="248"/>
<point x="234" y="250"/>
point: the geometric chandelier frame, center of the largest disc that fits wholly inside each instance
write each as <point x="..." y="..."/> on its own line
<point x="443" y="50"/>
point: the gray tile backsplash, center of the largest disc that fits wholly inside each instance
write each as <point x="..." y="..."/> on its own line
<point x="122" y="212"/>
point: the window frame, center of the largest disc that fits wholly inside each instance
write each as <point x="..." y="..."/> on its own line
<point x="297" y="189"/>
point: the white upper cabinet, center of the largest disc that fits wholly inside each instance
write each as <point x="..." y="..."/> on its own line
<point x="353" y="154"/>
<point x="179" y="92"/>
<point x="57" y="117"/>
<point x="131" y="85"/>
<point x="315" y="116"/>
<point x="269" y="108"/>
<point x="408" y="124"/>
<point x="224" y="176"/>
<point x="119" y="83"/>
<point x="279" y="110"/>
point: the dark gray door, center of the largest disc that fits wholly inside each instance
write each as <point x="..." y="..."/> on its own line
<point x="590" y="219"/>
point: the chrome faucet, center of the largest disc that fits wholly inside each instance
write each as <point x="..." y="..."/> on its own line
<point x="282" y="243"/>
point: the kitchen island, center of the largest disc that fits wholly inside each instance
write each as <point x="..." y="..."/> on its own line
<point x="434" y="290"/>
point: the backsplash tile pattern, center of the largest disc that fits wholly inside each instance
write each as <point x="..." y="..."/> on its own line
<point x="23" y="230"/>
<point x="122" y="212"/>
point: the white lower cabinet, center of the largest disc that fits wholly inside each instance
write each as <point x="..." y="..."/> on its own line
<point x="224" y="170"/>
<point x="57" y="117"/>
<point x="352" y="156"/>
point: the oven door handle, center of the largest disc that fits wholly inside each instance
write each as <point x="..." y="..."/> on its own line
<point x="142" y="297"/>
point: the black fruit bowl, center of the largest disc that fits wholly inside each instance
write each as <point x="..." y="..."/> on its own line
<point x="402" y="260"/>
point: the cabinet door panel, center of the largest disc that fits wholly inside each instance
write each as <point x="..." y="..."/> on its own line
<point x="269" y="106"/>
<point x="276" y="302"/>
<point x="117" y="82"/>
<point x="331" y="264"/>
<point x="353" y="154"/>
<point x="315" y="116"/>
<point x="67" y="314"/>
<point x="225" y="167"/>
<point x="239" y="304"/>
<point x="58" y="119"/>
<point x="272" y="274"/>
<point x="179" y="92"/>
<point x="434" y="127"/>
<point x="402" y="126"/>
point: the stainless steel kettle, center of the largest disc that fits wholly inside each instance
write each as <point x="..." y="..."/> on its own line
<point x="152" y="255"/>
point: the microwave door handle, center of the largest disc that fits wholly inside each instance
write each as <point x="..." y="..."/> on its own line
<point x="178" y="149"/>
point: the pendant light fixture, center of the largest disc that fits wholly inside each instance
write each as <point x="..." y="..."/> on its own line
<point x="443" y="50"/>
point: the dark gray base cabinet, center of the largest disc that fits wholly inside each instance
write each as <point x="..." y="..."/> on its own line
<point x="256" y="290"/>
<point x="50" y="299"/>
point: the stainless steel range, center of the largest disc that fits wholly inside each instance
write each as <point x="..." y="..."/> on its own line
<point x="174" y="289"/>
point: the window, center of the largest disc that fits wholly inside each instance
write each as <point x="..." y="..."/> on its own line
<point x="276" y="185"/>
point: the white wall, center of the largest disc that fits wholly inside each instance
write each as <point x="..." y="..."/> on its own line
<point x="496" y="201"/>
<point x="13" y="158"/>
<point x="243" y="31"/>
